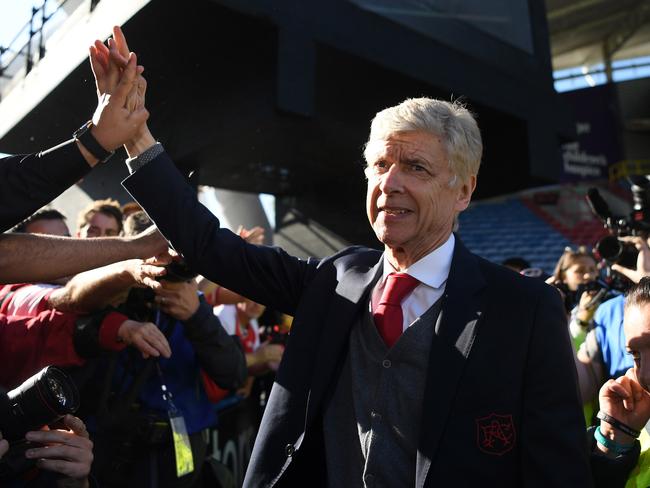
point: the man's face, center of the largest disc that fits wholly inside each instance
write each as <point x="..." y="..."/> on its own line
<point x="410" y="203"/>
<point x="53" y="227"/>
<point x="637" y="334"/>
<point x="100" y="225"/>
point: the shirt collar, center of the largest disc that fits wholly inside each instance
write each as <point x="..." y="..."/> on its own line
<point x="432" y="269"/>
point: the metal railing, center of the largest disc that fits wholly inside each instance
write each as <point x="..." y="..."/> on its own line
<point x="33" y="49"/>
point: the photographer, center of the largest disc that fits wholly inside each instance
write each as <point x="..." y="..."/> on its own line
<point x="35" y="418"/>
<point x="574" y="272"/>
<point x="31" y="318"/>
<point x="133" y="428"/>
<point x="603" y="354"/>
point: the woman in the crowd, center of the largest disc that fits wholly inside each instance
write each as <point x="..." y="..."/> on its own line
<point x="574" y="272"/>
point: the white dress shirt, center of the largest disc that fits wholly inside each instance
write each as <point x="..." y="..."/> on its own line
<point x="431" y="271"/>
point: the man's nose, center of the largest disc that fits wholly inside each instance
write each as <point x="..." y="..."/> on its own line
<point x="391" y="180"/>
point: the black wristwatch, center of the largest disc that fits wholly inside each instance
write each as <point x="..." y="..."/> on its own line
<point x="87" y="140"/>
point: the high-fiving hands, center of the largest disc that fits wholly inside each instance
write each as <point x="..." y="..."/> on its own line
<point x="114" y="66"/>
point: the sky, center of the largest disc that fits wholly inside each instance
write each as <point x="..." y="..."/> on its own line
<point x="15" y="14"/>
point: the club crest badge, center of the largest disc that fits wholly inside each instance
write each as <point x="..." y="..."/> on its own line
<point x="495" y="434"/>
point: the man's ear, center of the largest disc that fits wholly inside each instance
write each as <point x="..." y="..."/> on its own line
<point x="465" y="190"/>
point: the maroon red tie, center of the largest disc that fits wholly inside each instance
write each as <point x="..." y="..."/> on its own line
<point x="388" y="313"/>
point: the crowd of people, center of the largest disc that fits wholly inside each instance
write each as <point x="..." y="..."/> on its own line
<point x="420" y="365"/>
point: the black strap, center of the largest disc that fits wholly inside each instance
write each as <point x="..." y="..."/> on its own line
<point x="85" y="137"/>
<point x="617" y="424"/>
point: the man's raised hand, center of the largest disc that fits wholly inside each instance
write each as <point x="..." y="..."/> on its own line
<point x="114" y="124"/>
<point x="107" y="63"/>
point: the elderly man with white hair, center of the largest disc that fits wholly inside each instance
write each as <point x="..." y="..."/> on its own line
<point x="422" y="365"/>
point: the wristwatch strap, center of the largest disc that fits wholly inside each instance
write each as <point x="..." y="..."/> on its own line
<point x="87" y="140"/>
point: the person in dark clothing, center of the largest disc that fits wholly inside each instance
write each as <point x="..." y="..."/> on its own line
<point x="142" y="399"/>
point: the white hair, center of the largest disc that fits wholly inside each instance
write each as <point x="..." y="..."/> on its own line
<point x="450" y="121"/>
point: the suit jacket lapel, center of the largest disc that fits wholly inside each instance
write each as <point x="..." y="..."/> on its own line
<point x="454" y="334"/>
<point x="351" y="295"/>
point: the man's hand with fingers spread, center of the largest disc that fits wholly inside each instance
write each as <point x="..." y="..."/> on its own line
<point x="146" y="337"/>
<point x="68" y="451"/>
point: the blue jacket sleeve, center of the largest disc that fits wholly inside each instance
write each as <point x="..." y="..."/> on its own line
<point x="267" y="275"/>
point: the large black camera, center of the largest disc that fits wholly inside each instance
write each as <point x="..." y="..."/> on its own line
<point x="597" y="288"/>
<point x="610" y="248"/>
<point x="40" y="400"/>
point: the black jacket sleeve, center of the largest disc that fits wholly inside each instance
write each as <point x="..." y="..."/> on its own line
<point x="266" y="275"/>
<point x="29" y="181"/>
<point x="220" y="355"/>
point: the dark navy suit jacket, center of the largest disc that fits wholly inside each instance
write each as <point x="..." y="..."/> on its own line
<point x="501" y="404"/>
<point x="29" y="181"/>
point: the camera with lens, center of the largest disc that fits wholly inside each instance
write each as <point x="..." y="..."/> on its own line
<point x="611" y="248"/>
<point x="41" y="400"/>
<point x="597" y="288"/>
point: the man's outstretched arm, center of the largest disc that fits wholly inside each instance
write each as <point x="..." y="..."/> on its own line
<point x="30" y="257"/>
<point x="101" y="287"/>
<point x="27" y="182"/>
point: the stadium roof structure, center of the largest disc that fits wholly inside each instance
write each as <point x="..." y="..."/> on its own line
<point x="589" y="32"/>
